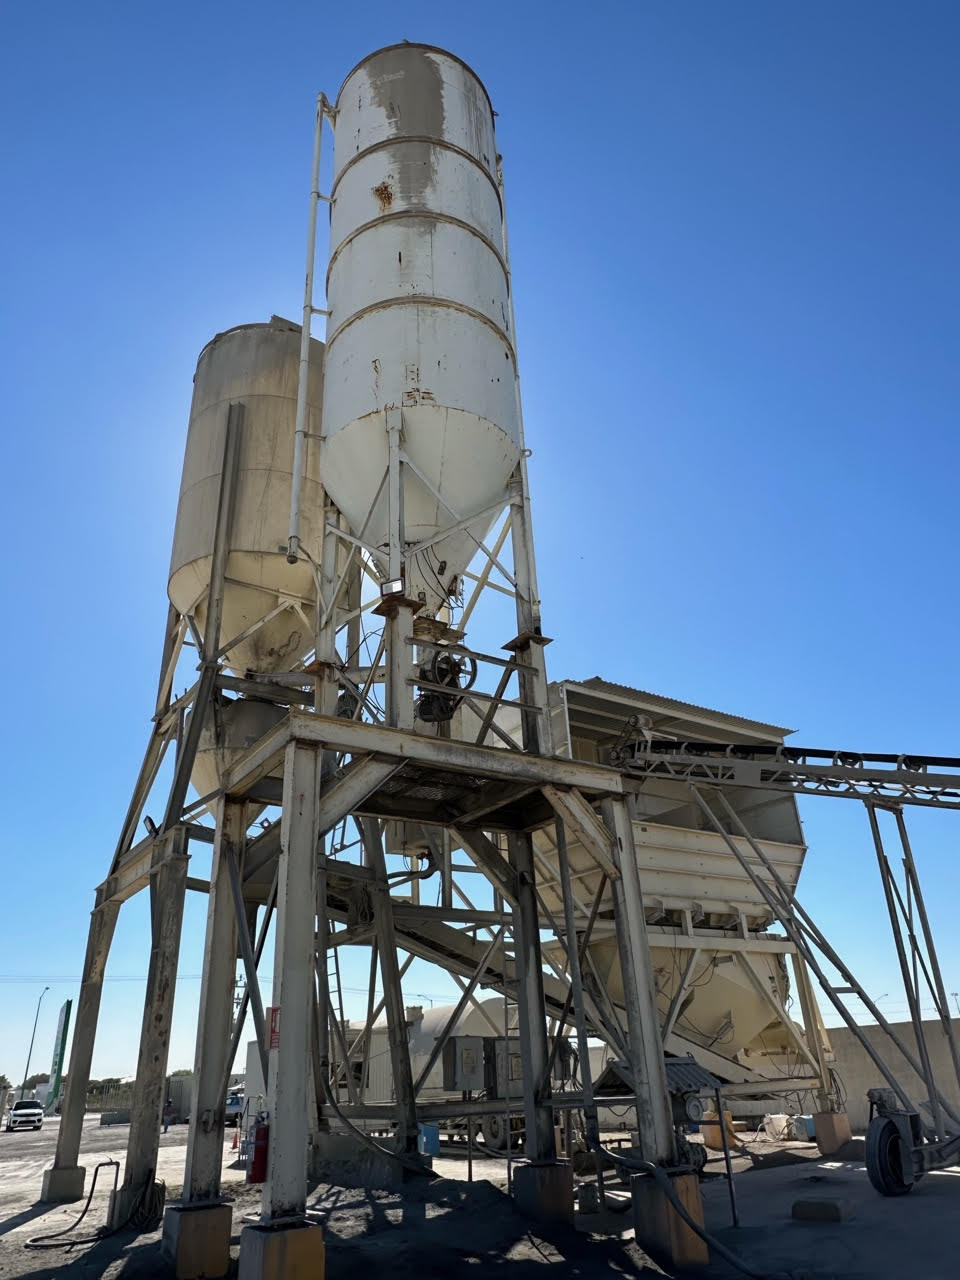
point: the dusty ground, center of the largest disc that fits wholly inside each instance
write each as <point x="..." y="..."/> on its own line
<point x="444" y="1228"/>
<point x="451" y="1228"/>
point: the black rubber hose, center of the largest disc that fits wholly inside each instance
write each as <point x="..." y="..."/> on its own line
<point x="662" y="1180"/>
<point x="45" y="1242"/>
<point x="145" y="1215"/>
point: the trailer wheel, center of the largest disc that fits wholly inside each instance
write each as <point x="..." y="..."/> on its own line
<point x="883" y="1154"/>
<point x="494" y="1132"/>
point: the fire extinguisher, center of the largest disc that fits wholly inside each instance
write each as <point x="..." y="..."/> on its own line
<point x="257" y="1165"/>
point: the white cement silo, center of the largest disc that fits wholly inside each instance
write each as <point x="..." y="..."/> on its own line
<point x="256" y="365"/>
<point x="420" y="319"/>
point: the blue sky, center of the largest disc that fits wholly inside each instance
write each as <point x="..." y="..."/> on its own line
<point x="733" y="232"/>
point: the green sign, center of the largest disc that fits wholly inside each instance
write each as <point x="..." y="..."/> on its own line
<point x="59" y="1053"/>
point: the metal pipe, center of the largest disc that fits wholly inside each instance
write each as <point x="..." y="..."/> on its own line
<point x="371" y="993"/>
<point x="469" y="1142"/>
<point x="507" y="1131"/>
<point x="734" y="1216"/>
<point x="245" y="998"/>
<point x="525" y="486"/>
<point x="293" y="539"/>
<point x="248" y="957"/>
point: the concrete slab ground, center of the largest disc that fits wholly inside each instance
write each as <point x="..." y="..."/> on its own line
<point x="449" y="1228"/>
<point x="882" y="1239"/>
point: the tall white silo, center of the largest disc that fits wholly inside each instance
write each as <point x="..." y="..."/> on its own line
<point x="420" y="318"/>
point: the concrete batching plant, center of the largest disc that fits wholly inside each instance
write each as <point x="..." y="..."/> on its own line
<point x="345" y="510"/>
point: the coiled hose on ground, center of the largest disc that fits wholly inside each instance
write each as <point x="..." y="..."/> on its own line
<point x="145" y="1215"/>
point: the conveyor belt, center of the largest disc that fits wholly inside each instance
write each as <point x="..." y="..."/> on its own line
<point x="884" y="778"/>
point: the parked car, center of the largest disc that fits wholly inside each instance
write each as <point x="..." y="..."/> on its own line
<point x="26" y="1113"/>
<point x="233" y="1112"/>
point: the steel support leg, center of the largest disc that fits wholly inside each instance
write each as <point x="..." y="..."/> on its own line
<point x="536" y="728"/>
<point x="294" y="978"/>
<point x="399" y="667"/>
<point x="64" y="1181"/>
<point x="168" y="889"/>
<point x="392" y="991"/>
<point x="909" y="983"/>
<point x="654" y="1120"/>
<point x="816" y="1035"/>
<point x="538" y="1114"/>
<point x="201" y="1179"/>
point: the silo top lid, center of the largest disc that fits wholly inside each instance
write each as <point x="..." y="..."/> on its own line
<point x="413" y="44"/>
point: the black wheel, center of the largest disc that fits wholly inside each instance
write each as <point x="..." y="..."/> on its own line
<point x="494" y="1131"/>
<point x="884" y="1158"/>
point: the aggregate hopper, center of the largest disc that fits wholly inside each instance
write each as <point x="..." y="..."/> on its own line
<point x="719" y="962"/>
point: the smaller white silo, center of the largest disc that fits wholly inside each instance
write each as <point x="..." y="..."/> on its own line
<point x="256" y="365"/>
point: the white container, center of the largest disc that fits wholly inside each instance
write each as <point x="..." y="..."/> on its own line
<point x="419" y="305"/>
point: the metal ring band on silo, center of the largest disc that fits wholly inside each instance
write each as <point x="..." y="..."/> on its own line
<point x="419" y="212"/>
<point x="421" y="300"/>
<point x="400" y="140"/>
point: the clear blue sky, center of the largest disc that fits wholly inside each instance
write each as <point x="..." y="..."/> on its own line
<point x="734" y="238"/>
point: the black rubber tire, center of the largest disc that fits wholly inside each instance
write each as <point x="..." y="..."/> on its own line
<point x="883" y="1158"/>
<point x="493" y="1129"/>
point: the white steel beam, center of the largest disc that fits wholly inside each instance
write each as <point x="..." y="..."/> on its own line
<point x="102" y="924"/>
<point x="285" y="1190"/>
<point x="654" y="1118"/>
<point x="540" y="1141"/>
<point x="359" y="738"/>
<point x="201" y="1179"/>
<point x="574" y="811"/>
<point x="168" y="890"/>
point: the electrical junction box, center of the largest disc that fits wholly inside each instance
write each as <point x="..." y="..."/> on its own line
<point x="509" y="1069"/>
<point x="463" y="1064"/>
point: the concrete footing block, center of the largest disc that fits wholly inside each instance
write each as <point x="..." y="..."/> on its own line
<point x="588" y="1197"/>
<point x="822" y="1210"/>
<point x="544" y="1192"/>
<point x="63" y="1186"/>
<point x="345" y="1161"/>
<point x="659" y="1228"/>
<point x="282" y="1253"/>
<point x="196" y="1239"/>
<point x="831" y="1129"/>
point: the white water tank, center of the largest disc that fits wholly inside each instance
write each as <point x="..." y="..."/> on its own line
<point x="255" y="365"/>
<point x="420" y="317"/>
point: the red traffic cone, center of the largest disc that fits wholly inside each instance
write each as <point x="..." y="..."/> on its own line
<point x="236" y="1138"/>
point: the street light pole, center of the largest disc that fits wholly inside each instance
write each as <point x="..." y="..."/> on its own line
<point x="32" y="1038"/>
